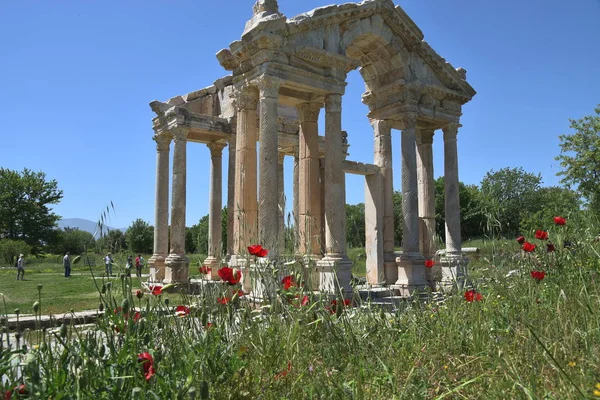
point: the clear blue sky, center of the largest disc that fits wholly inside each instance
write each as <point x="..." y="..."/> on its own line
<point x="76" y="78"/>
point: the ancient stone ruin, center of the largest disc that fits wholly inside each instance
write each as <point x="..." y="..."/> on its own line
<point x="283" y="72"/>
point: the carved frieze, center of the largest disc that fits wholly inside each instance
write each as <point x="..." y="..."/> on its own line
<point x="326" y="59"/>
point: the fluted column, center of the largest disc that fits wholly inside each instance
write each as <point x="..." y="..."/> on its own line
<point x="177" y="263"/>
<point x="215" y="247"/>
<point x="245" y="206"/>
<point x="309" y="204"/>
<point x="426" y="192"/>
<point x="451" y="201"/>
<point x="230" y="197"/>
<point x="383" y="159"/>
<point x="336" y="267"/>
<point x="281" y="205"/>
<point x="161" y="209"/>
<point x="268" y="225"/>
<point x="296" y="195"/>
<point x="410" y="205"/>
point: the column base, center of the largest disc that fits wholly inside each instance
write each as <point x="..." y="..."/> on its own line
<point x="390" y="268"/>
<point x="311" y="270"/>
<point x="265" y="278"/>
<point x="177" y="269"/>
<point x="157" y="268"/>
<point x="214" y="264"/>
<point x="335" y="274"/>
<point x="453" y="270"/>
<point x="411" y="276"/>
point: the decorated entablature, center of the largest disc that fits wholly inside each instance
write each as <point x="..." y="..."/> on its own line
<point x="283" y="72"/>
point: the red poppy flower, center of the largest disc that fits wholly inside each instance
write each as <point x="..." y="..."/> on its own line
<point x="540" y="234"/>
<point x="304" y="301"/>
<point x="521" y="239"/>
<point x="208" y="325"/>
<point x="538" y="275"/>
<point x="472" y="295"/>
<point x="139" y="294"/>
<point x="560" y="221"/>
<point x="429" y="263"/>
<point x="223" y="300"/>
<point x="333" y="307"/>
<point x="257" y="250"/>
<point x="529" y="247"/>
<point x="204" y="270"/>
<point x="550" y="247"/>
<point x="288" y="282"/>
<point x="137" y="316"/>
<point x="7" y="394"/>
<point x="147" y="364"/>
<point x="156" y="290"/>
<point x="182" y="311"/>
<point x="240" y="293"/>
<point x="284" y="373"/>
<point x="230" y="275"/>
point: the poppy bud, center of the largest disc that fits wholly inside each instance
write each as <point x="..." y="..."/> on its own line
<point x="36" y="307"/>
<point x="102" y="351"/>
<point x="101" y="307"/>
<point x="103" y="289"/>
<point x="192" y="393"/>
<point x="204" y="393"/>
<point x="40" y="287"/>
<point x="63" y="331"/>
<point x="125" y="306"/>
<point x="136" y="393"/>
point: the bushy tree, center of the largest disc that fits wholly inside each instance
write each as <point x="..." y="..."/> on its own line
<point x="580" y="158"/>
<point x="199" y="236"/>
<point x="140" y="237"/>
<point x="398" y="217"/>
<point x="72" y="240"/>
<point x="10" y="250"/>
<point x="355" y="225"/>
<point x="113" y="241"/>
<point x="471" y="217"/>
<point x="553" y="201"/>
<point x="25" y="199"/>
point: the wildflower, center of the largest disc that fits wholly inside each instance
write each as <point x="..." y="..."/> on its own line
<point x="560" y="221"/>
<point x="156" y="290"/>
<point x="223" y="300"/>
<point x="284" y="373"/>
<point x="540" y="234"/>
<point x="288" y="282"/>
<point x="304" y="301"/>
<point x="137" y="316"/>
<point x="182" y="311"/>
<point x="528" y="247"/>
<point x="147" y="364"/>
<point x="521" y="239"/>
<point x="7" y="394"/>
<point x="204" y="270"/>
<point x="429" y="263"/>
<point x="208" y="325"/>
<point x="230" y="275"/>
<point x="538" y="275"/>
<point x="332" y="308"/>
<point x="550" y="248"/>
<point x="472" y="295"/>
<point x="257" y="250"/>
<point x="597" y="390"/>
<point x="572" y="364"/>
<point x="240" y="293"/>
<point x="139" y="294"/>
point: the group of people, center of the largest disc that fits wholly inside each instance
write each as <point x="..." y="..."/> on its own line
<point x="108" y="263"/>
<point x="139" y="265"/>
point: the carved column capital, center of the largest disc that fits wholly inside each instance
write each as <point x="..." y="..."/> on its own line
<point x="333" y="102"/>
<point x="381" y="127"/>
<point x="451" y="131"/>
<point x="308" y="112"/>
<point x="180" y="134"/>
<point x="216" y="149"/>
<point x="425" y="136"/>
<point x="268" y="86"/>
<point x="409" y="120"/>
<point x="163" y="142"/>
<point x="245" y="98"/>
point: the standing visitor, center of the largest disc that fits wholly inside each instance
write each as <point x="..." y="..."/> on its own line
<point x="67" y="265"/>
<point x="21" y="267"/>
<point x="108" y="262"/>
<point x="129" y="266"/>
<point x="139" y="265"/>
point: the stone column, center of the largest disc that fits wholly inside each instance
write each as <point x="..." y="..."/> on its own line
<point x="322" y="200"/>
<point x="281" y="205"/>
<point x="268" y="225"/>
<point x="296" y="198"/>
<point x="230" y="197"/>
<point x="383" y="159"/>
<point x="426" y="192"/>
<point x="374" y="209"/>
<point x="245" y="207"/>
<point x="177" y="270"/>
<point x="161" y="209"/>
<point x="309" y="203"/>
<point x="451" y="203"/>
<point x="215" y="247"/>
<point x="335" y="267"/>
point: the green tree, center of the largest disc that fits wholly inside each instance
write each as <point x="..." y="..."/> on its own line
<point x="113" y="241"/>
<point x="580" y="158"/>
<point x="471" y="217"/>
<point x="509" y="195"/>
<point x="398" y="217"/>
<point x="199" y="235"/>
<point x="355" y="225"/>
<point x="553" y="201"/>
<point x="25" y="213"/>
<point x="72" y="240"/>
<point x="10" y="250"/>
<point x="140" y="237"/>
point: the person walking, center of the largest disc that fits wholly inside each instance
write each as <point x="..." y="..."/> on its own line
<point x="139" y="265"/>
<point x="129" y="266"/>
<point x="108" y="262"/>
<point x="67" y="265"/>
<point x="21" y="267"/>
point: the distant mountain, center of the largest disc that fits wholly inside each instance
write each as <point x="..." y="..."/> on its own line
<point x="84" y="225"/>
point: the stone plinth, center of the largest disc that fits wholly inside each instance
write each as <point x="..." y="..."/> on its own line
<point x="411" y="276"/>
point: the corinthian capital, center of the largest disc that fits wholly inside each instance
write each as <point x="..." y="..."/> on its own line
<point x="381" y="127"/>
<point x="246" y="98"/>
<point x="216" y="149"/>
<point x="308" y="112"/>
<point x="180" y="134"/>
<point x="268" y="86"/>
<point x="333" y="102"/>
<point x="451" y="130"/>
<point x="409" y="120"/>
<point x="163" y="141"/>
<point x="425" y="136"/>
